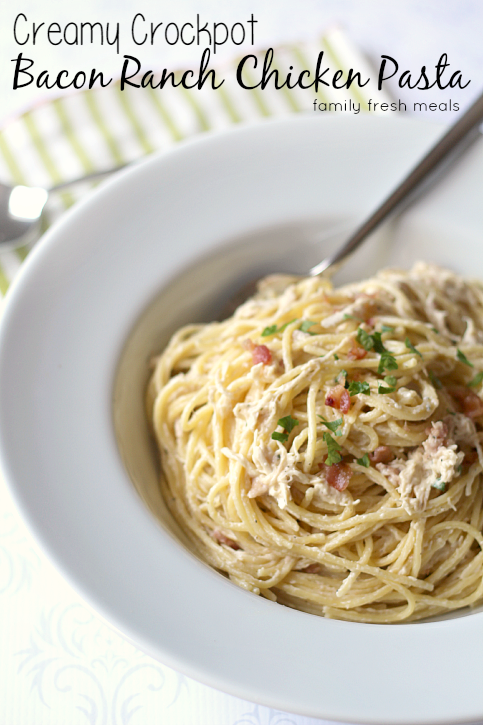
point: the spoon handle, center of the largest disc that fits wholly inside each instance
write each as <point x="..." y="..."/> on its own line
<point x="87" y="177"/>
<point x="451" y="145"/>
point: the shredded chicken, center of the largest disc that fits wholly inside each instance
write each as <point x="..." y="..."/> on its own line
<point x="434" y="462"/>
<point x="274" y="473"/>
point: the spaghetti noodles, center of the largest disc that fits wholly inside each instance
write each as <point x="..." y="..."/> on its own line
<point x="322" y="447"/>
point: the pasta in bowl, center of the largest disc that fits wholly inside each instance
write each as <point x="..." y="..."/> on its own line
<point x="321" y="447"/>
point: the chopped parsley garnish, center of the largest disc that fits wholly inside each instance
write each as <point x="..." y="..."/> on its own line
<point x="273" y="329"/>
<point x="364" y="339"/>
<point x="333" y="425"/>
<point x="450" y="412"/>
<point x="439" y="484"/>
<point x="374" y="342"/>
<point x="333" y="448"/>
<point x="378" y="344"/>
<point x="336" y="357"/>
<point x="411" y="347"/>
<point x="387" y="362"/>
<point x="476" y="380"/>
<point x="434" y="330"/>
<point x="435" y="380"/>
<point x="288" y="424"/>
<point x="349" y="317"/>
<point x="459" y="469"/>
<point x="387" y="328"/>
<point x="306" y="325"/>
<point x="355" y="387"/>
<point x="282" y="437"/>
<point x="364" y="461"/>
<point x="462" y="358"/>
<point x="391" y="382"/>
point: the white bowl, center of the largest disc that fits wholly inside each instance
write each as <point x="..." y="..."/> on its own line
<point x="163" y="244"/>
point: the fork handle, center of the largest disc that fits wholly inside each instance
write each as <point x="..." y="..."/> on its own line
<point x="451" y="145"/>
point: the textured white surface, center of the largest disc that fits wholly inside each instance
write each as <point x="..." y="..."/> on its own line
<point x="59" y="663"/>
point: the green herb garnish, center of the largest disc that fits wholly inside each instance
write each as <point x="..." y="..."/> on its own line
<point x="382" y="390"/>
<point x="273" y="329"/>
<point x="462" y="358"/>
<point x="333" y="448"/>
<point x="364" y="461"/>
<point x="459" y="469"/>
<point x="333" y="425"/>
<point x="435" y="380"/>
<point x="476" y="380"/>
<point x="378" y="344"/>
<point x="439" y="484"/>
<point x="336" y="357"/>
<point x="355" y="387"/>
<point x="387" y="362"/>
<point x="391" y="381"/>
<point x="306" y="324"/>
<point x="387" y="328"/>
<point x="374" y="342"/>
<point x="282" y="437"/>
<point x="349" y="317"/>
<point x="364" y="339"/>
<point x="411" y="347"/>
<point x="434" y="330"/>
<point x="288" y="423"/>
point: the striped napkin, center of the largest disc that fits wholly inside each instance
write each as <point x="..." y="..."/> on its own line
<point x="74" y="135"/>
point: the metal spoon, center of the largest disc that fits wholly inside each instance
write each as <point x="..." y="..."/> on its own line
<point x="21" y="208"/>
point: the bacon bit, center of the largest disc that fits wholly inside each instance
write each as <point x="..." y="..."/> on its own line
<point x="338" y="475"/>
<point x="248" y="344"/>
<point x="382" y="454"/>
<point x="473" y="405"/>
<point x="312" y="569"/>
<point x="339" y="398"/>
<point x="297" y="495"/>
<point x="261" y="354"/>
<point x="470" y="401"/>
<point x="220" y="537"/>
<point x="356" y="352"/>
<point x="470" y="458"/>
<point x="369" y="309"/>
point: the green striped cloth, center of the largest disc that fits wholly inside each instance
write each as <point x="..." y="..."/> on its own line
<point x="88" y="131"/>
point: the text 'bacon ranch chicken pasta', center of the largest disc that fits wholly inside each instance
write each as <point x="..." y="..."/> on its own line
<point x="322" y="446"/>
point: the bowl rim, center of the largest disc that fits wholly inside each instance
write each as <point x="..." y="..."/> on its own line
<point x="34" y="275"/>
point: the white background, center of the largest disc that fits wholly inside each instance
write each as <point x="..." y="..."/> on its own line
<point x="58" y="663"/>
